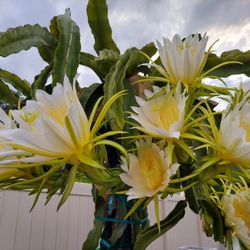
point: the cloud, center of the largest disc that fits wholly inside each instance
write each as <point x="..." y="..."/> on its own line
<point x="227" y="20"/>
<point x="134" y="23"/>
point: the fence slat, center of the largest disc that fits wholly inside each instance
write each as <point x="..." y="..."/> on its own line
<point x="62" y="227"/>
<point x="8" y="220"/>
<point x="23" y="222"/>
<point x="50" y="224"/>
<point x="37" y="225"/>
<point x="73" y="222"/>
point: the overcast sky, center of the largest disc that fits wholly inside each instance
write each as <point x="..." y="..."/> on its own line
<point x="134" y="23"/>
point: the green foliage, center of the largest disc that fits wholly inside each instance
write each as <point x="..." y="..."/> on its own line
<point x="89" y="96"/>
<point x="97" y="12"/>
<point x="6" y="94"/>
<point x="214" y="220"/>
<point x="114" y="84"/>
<point x="41" y="79"/>
<point x="148" y="235"/>
<point x="19" y="84"/>
<point x="67" y="53"/>
<point x="23" y="38"/>
<point x="139" y="58"/>
<point x="91" y="62"/>
<point x="230" y="69"/>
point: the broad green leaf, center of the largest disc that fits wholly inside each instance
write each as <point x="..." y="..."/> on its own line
<point x="108" y="55"/>
<point x="41" y="79"/>
<point x="47" y="53"/>
<point x="6" y="94"/>
<point x="67" y="53"/>
<point x="230" y="69"/>
<point x="151" y="233"/>
<point x="89" y="95"/>
<point x="138" y="58"/>
<point x="114" y="84"/>
<point x="217" y="222"/>
<point x="23" y="38"/>
<point x="94" y="235"/>
<point x="54" y="27"/>
<point x="91" y="62"/>
<point x="97" y="12"/>
<point x="15" y="81"/>
<point x="107" y="59"/>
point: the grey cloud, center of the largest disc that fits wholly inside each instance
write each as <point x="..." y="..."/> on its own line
<point x="214" y="13"/>
<point x="134" y="23"/>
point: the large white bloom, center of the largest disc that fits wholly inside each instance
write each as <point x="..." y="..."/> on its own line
<point x="237" y="214"/>
<point x="54" y="126"/>
<point x="161" y="115"/>
<point x="6" y="152"/>
<point x="183" y="60"/>
<point x="148" y="172"/>
<point x="234" y="134"/>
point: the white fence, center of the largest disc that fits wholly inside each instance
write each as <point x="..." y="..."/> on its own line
<point x="46" y="229"/>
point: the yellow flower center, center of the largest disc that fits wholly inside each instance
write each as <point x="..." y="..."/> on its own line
<point x="168" y="113"/>
<point x="58" y="113"/>
<point x="241" y="208"/>
<point x="152" y="167"/>
<point x="29" y="116"/>
<point x="246" y="126"/>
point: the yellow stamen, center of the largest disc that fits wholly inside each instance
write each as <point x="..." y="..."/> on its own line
<point x="152" y="167"/>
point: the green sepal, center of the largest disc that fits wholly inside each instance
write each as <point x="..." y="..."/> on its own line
<point x="69" y="185"/>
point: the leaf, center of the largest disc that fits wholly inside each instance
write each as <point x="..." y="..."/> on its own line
<point x="15" y="81"/>
<point x="41" y="79"/>
<point x="23" y="38"/>
<point x="107" y="59"/>
<point x="6" y="94"/>
<point x="217" y="224"/>
<point x="67" y="53"/>
<point x="230" y="69"/>
<point x="94" y="235"/>
<point x="138" y="58"/>
<point x="97" y="12"/>
<point x="151" y="233"/>
<point x="54" y="27"/>
<point x="91" y="62"/>
<point x="114" y="84"/>
<point x="87" y="94"/>
<point x="108" y="55"/>
<point x="47" y="53"/>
